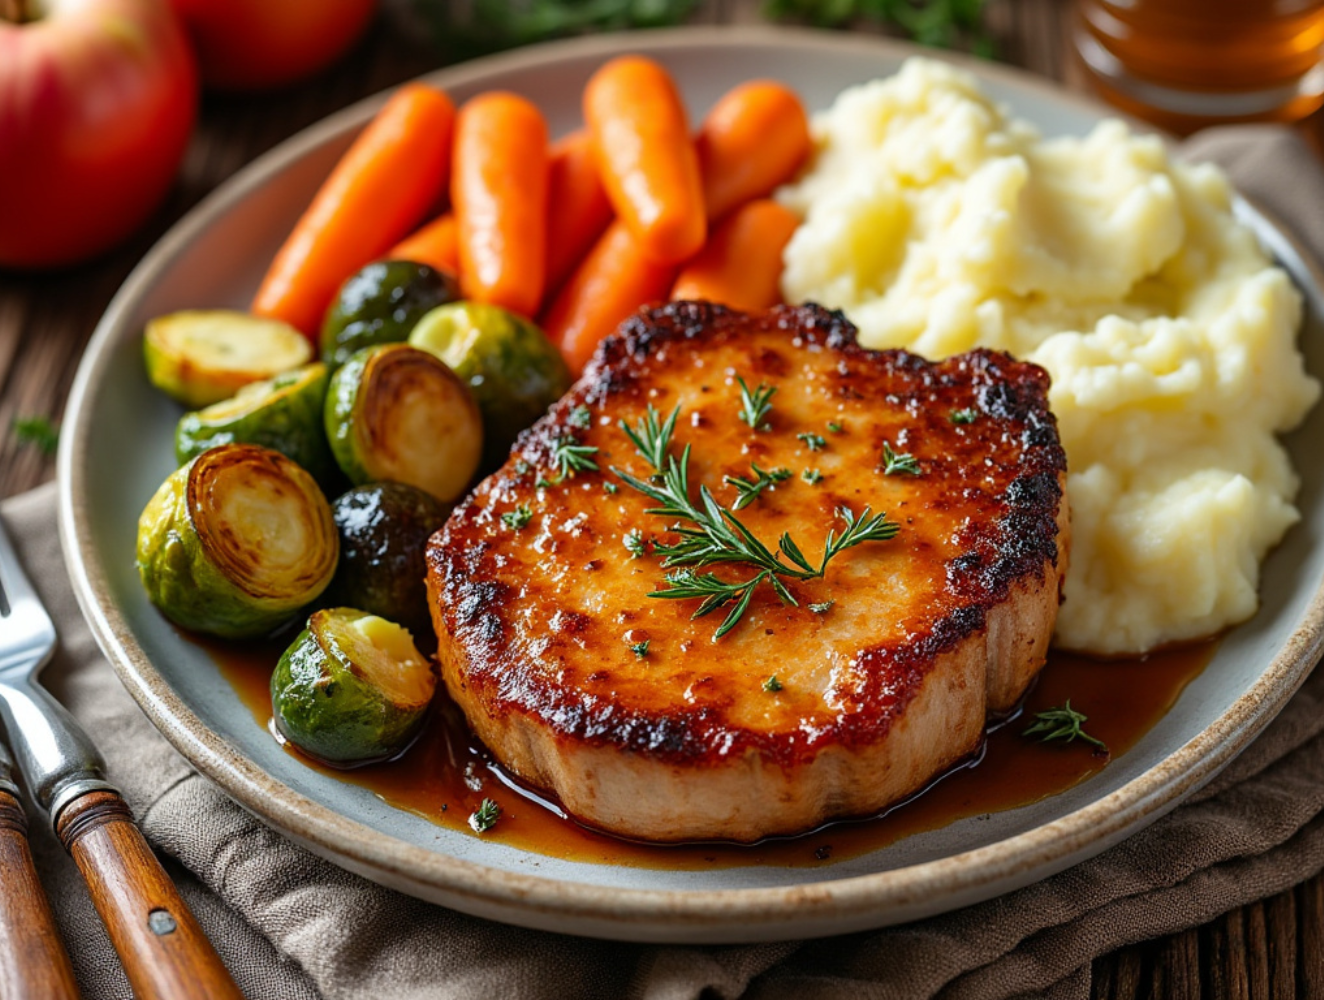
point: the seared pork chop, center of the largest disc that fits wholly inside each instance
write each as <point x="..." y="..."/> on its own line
<point x="879" y="676"/>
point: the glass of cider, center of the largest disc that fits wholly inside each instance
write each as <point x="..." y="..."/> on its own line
<point x="1185" y="64"/>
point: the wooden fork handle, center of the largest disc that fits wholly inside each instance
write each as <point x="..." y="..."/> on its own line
<point x="164" y="952"/>
<point x="33" y="962"/>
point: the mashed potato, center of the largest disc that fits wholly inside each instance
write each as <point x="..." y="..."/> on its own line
<point x="939" y="224"/>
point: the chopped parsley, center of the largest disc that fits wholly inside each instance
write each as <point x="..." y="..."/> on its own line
<point x="812" y="476"/>
<point x="772" y="684"/>
<point x="899" y="464"/>
<point x="835" y="427"/>
<point x="640" y="649"/>
<point x="485" y="817"/>
<point x="517" y="518"/>
<point x="610" y="487"/>
<point x="966" y="416"/>
<point x="814" y="442"/>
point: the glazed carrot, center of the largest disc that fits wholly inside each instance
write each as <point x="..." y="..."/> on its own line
<point x="434" y="243"/>
<point x="378" y="191"/>
<point x="614" y="280"/>
<point x="646" y="156"/>
<point x="741" y="266"/>
<point x="754" y="139"/>
<point x="499" y="190"/>
<point x="577" y="206"/>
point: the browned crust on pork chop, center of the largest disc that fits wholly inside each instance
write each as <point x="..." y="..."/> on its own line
<point x="929" y="633"/>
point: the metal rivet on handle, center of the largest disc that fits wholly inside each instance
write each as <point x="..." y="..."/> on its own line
<point x="161" y="922"/>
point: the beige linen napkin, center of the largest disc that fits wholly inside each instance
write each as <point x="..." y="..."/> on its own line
<point x="290" y="925"/>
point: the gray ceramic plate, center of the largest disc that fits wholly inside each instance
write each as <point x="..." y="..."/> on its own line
<point x="117" y="449"/>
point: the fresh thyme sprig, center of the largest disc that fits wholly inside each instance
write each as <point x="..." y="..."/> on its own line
<point x="485" y="816"/>
<point x="748" y="490"/>
<point x="755" y="405"/>
<point x="1065" y="724"/>
<point x="899" y="464"/>
<point x="711" y="535"/>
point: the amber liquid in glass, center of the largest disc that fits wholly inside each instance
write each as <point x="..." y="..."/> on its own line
<point x="1189" y="63"/>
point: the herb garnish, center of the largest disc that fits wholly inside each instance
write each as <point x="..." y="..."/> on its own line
<point x="718" y="536"/>
<point x="966" y="416"/>
<point x="38" y="432"/>
<point x="754" y="406"/>
<point x="748" y="491"/>
<point x="835" y="427"/>
<point x="485" y="817"/>
<point x="772" y="684"/>
<point x="610" y="488"/>
<point x="812" y="476"/>
<point x="814" y="442"/>
<point x="635" y="544"/>
<point x="640" y="649"/>
<point x="579" y="417"/>
<point x="521" y="467"/>
<point x="1063" y="724"/>
<point x="822" y="608"/>
<point x="570" y="456"/>
<point x="517" y="518"/>
<point x="899" y="465"/>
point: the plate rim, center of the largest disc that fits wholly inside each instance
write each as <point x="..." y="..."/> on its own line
<point x="766" y="913"/>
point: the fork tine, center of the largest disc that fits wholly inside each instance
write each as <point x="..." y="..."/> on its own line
<point x="25" y="625"/>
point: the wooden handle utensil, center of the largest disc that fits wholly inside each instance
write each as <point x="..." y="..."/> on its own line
<point x="33" y="962"/>
<point x="165" y="953"/>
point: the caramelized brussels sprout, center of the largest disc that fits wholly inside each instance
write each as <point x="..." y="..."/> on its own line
<point x="235" y="542"/>
<point x="352" y="688"/>
<point x="380" y="305"/>
<point x="283" y="413"/>
<point x="384" y="529"/>
<point x="200" y="358"/>
<point x="515" y="372"/>
<point x="398" y="414"/>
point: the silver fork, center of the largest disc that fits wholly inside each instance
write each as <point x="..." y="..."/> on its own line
<point x="164" y="951"/>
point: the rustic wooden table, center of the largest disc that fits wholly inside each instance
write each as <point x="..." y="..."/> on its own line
<point x="1273" y="948"/>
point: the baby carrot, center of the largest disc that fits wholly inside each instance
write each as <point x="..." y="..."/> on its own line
<point x="753" y="139"/>
<point x="434" y="244"/>
<point x="646" y="156"/>
<point x="378" y="191"/>
<point x="614" y="280"/>
<point x="741" y="266"/>
<point x="499" y="190"/>
<point x="577" y="206"/>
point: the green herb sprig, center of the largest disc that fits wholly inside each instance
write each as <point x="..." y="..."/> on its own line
<point x="1065" y="724"/>
<point x="570" y="457"/>
<point x="747" y="491"/>
<point x="711" y="535"/>
<point x="485" y="816"/>
<point x="517" y="518"/>
<point x="895" y="464"/>
<point x="756" y="405"/>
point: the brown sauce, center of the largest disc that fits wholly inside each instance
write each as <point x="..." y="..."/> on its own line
<point x="446" y="773"/>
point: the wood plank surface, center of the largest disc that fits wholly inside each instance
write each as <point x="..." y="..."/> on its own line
<point x="1272" y="949"/>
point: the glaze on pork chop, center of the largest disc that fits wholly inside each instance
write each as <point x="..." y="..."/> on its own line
<point x="542" y="619"/>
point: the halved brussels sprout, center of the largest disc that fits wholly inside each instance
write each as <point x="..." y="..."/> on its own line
<point x="284" y="413"/>
<point x="384" y="529"/>
<point x="397" y="414"/>
<point x="380" y="305"/>
<point x="237" y="541"/>
<point x="200" y="358"/>
<point x="514" y="371"/>
<point x="352" y="688"/>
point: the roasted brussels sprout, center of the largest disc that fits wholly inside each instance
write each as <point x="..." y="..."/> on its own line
<point x="380" y="305"/>
<point x="284" y="413"/>
<point x="515" y="372"/>
<point x="384" y="529"/>
<point x="397" y="414"/>
<point x="235" y="542"/>
<point x="352" y="688"/>
<point x="200" y="358"/>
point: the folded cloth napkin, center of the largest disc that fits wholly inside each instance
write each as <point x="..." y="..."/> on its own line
<point x="291" y="926"/>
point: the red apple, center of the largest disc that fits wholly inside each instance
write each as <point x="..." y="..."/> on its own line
<point x="256" y="44"/>
<point x="97" y="99"/>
